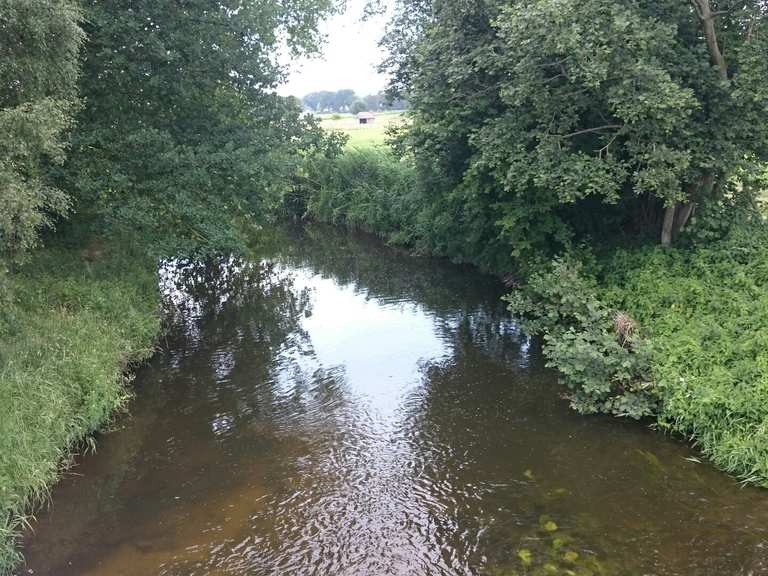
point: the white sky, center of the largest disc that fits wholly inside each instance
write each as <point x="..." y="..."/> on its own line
<point x="348" y="59"/>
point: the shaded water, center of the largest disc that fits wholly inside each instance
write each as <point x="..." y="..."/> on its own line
<point x="338" y="408"/>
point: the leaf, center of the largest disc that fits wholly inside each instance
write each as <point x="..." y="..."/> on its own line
<point x="525" y="556"/>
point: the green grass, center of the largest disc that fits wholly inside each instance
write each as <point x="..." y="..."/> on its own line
<point x="702" y="308"/>
<point x="68" y="330"/>
<point x="705" y="311"/>
<point x="362" y="135"/>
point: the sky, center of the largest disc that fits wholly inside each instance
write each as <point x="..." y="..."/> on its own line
<point x="348" y="59"/>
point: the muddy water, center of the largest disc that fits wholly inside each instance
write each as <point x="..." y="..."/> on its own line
<point x="337" y="408"/>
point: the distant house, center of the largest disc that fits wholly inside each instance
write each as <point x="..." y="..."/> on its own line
<point x="365" y="117"/>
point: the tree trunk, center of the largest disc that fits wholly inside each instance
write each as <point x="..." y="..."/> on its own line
<point x="676" y="216"/>
<point x="683" y="214"/>
<point x="704" y="11"/>
<point x="668" y="225"/>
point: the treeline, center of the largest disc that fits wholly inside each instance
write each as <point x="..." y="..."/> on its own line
<point x="128" y="130"/>
<point x="157" y="116"/>
<point x="346" y="100"/>
<point x="610" y="159"/>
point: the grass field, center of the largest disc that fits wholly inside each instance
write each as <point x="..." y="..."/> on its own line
<point x="362" y="135"/>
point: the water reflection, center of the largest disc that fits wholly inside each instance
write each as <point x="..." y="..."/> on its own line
<point x="335" y="407"/>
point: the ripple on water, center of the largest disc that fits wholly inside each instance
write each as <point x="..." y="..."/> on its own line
<point x="339" y="409"/>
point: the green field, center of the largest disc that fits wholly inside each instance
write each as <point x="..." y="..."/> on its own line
<point x="362" y="135"/>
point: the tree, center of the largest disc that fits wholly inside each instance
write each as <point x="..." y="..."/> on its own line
<point x="358" y="106"/>
<point x="543" y="121"/>
<point x="312" y="101"/>
<point x="182" y="131"/>
<point x="39" y="43"/>
<point x="344" y="99"/>
<point x="372" y="102"/>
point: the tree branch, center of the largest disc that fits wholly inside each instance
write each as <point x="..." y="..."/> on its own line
<point x="589" y="130"/>
<point x="704" y="11"/>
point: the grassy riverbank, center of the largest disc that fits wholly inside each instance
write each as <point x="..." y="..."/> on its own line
<point x="704" y="312"/>
<point x="695" y="358"/>
<point x="71" y="322"/>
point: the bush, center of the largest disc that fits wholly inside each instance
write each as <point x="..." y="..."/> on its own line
<point x="692" y="347"/>
<point x="598" y="351"/>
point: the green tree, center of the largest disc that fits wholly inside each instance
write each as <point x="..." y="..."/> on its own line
<point x="182" y="132"/>
<point x="358" y="106"/>
<point x="39" y="45"/>
<point x="344" y="99"/>
<point x="372" y="102"/>
<point x="544" y="120"/>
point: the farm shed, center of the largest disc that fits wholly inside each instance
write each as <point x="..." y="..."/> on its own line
<point x="365" y="117"/>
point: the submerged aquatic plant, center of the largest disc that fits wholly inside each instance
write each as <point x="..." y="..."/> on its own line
<point x="551" y="551"/>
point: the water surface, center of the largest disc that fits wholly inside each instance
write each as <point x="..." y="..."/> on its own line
<point x="338" y="408"/>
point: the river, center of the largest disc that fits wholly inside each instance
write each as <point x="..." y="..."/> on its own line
<point x="339" y="408"/>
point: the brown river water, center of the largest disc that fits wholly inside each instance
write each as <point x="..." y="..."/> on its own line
<point x="334" y="407"/>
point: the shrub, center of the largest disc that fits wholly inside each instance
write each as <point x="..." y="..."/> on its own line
<point x="602" y="359"/>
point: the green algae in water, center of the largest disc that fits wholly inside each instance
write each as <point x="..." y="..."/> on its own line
<point x="552" y="552"/>
<point x="529" y="474"/>
<point x="525" y="556"/>
<point x="547" y="523"/>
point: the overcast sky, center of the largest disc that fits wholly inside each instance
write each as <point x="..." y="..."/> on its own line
<point x="348" y="59"/>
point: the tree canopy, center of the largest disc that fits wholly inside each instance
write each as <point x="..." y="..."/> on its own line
<point x="158" y="115"/>
<point x="39" y="46"/>
<point x="182" y="125"/>
<point x="541" y="122"/>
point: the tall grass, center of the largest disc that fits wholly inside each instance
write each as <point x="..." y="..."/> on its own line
<point x="705" y="312"/>
<point x="70" y="324"/>
<point x="368" y="189"/>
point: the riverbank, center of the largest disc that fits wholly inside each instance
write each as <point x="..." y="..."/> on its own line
<point x="72" y="321"/>
<point x="331" y="383"/>
<point x="674" y="334"/>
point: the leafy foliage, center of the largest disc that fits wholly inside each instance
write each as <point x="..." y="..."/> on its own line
<point x="39" y="44"/>
<point x="605" y="369"/>
<point x="182" y="133"/>
<point x="706" y="312"/>
<point x="538" y="122"/>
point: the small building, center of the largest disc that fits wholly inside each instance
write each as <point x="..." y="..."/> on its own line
<point x="365" y="117"/>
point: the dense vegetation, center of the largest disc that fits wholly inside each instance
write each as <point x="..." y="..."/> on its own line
<point x="154" y="127"/>
<point x="40" y="42"/>
<point x="548" y="122"/>
<point x="606" y="155"/>
<point x="67" y="336"/>
<point x="608" y="158"/>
